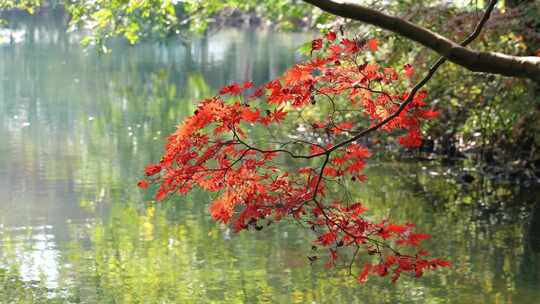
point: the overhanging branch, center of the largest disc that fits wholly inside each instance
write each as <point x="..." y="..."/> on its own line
<point x="486" y="62"/>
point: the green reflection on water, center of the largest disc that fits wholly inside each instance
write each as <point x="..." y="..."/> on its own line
<point x="77" y="129"/>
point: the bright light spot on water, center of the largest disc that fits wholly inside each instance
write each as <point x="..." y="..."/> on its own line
<point x="37" y="255"/>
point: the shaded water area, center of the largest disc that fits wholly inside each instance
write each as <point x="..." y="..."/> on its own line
<point x="77" y="128"/>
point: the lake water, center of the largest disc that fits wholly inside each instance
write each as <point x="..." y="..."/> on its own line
<point x="77" y="128"/>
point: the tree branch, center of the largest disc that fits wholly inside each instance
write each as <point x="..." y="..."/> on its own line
<point x="486" y="62"/>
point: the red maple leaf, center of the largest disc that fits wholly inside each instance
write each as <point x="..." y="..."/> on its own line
<point x="331" y="36"/>
<point x="373" y="45"/>
<point x="278" y="115"/>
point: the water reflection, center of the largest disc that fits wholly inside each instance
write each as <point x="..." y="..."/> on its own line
<point x="76" y="128"/>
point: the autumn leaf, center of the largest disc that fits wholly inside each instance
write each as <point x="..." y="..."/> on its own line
<point x="152" y="170"/>
<point x="346" y="125"/>
<point x="278" y="115"/>
<point x="316" y="44"/>
<point x="408" y="70"/>
<point x="249" y="115"/>
<point x="350" y="46"/>
<point x="356" y="150"/>
<point x="428" y="114"/>
<point x="362" y="277"/>
<point x="142" y="184"/>
<point x="331" y="36"/>
<point x="373" y="45"/>
<point x="222" y="208"/>
<point x="356" y="166"/>
<point x="233" y="89"/>
<point x="248" y="85"/>
<point x="297" y="74"/>
<point x="327" y="238"/>
<point x="411" y="140"/>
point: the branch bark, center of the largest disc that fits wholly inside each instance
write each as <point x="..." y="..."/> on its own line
<point x="476" y="61"/>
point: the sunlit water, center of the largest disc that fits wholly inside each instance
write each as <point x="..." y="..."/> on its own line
<point x="77" y="128"/>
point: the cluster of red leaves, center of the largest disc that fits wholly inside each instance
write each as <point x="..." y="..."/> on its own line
<point x="345" y="227"/>
<point x="211" y="150"/>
